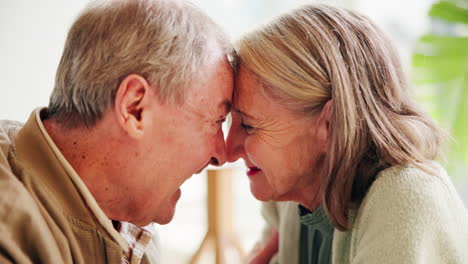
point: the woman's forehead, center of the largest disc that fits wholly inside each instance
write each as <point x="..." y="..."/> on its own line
<point x="247" y="85"/>
<point x="250" y="100"/>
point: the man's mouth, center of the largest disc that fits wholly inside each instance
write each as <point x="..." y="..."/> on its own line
<point x="253" y="170"/>
<point x="206" y="165"/>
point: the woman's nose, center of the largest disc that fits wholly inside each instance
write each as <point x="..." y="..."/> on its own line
<point x="235" y="143"/>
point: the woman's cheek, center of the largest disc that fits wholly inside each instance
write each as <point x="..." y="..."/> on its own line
<point x="255" y="152"/>
<point x="249" y="148"/>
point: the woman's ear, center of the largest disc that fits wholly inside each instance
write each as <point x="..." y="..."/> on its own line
<point x="323" y="123"/>
<point x="327" y="112"/>
<point x="129" y="104"/>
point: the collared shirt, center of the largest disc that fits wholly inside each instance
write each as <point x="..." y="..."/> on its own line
<point x="138" y="239"/>
<point x="133" y="239"/>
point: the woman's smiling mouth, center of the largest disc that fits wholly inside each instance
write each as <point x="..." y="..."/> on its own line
<point x="253" y="170"/>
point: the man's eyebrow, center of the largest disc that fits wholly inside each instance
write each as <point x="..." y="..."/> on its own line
<point x="225" y="105"/>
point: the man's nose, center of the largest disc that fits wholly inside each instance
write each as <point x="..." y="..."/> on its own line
<point x="219" y="157"/>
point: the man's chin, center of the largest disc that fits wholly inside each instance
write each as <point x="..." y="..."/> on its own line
<point x="169" y="209"/>
<point x="165" y="221"/>
<point x="167" y="218"/>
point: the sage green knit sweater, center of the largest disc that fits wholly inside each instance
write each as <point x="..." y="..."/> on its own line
<point x="408" y="216"/>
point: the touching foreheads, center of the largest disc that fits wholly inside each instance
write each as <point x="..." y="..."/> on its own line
<point x="167" y="42"/>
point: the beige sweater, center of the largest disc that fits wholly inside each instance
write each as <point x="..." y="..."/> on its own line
<point x="47" y="215"/>
<point x="408" y="216"/>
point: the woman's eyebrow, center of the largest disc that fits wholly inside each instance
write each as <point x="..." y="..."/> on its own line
<point x="243" y="113"/>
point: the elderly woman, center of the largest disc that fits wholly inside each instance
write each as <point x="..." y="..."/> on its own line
<point x="323" y="117"/>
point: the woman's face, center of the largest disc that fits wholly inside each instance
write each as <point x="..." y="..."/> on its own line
<point x="282" y="149"/>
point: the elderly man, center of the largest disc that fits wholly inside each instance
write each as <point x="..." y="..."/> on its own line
<point x="140" y="95"/>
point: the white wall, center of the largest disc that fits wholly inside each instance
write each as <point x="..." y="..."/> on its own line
<point x="32" y="35"/>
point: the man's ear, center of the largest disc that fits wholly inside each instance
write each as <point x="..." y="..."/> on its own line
<point x="129" y="104"/>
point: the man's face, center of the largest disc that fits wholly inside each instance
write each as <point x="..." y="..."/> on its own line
<point x="183" y="139"/>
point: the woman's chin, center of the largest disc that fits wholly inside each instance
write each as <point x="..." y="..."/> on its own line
<point x="261" y="193"/>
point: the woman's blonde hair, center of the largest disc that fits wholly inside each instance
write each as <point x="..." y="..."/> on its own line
<point x="319" y="53"/>
<point x="167" y="42"/>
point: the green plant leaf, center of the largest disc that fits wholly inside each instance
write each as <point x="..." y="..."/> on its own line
<point x="449" y="12"/>
<point x="440" y="65"/>
<point x="436" y="45"/>
<point x="440" y="59"/>
<point x="435" y="69"/>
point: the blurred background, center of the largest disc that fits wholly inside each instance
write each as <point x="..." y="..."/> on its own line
<point x="431" y="36"/>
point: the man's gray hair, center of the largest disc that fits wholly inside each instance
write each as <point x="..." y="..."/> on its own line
<point x="167" y="42"/>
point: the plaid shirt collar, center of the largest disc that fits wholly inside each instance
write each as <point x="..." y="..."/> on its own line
<point x="137" y="238"/>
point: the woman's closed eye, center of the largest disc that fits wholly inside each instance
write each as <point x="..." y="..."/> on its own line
<point x="247" y="128"/>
